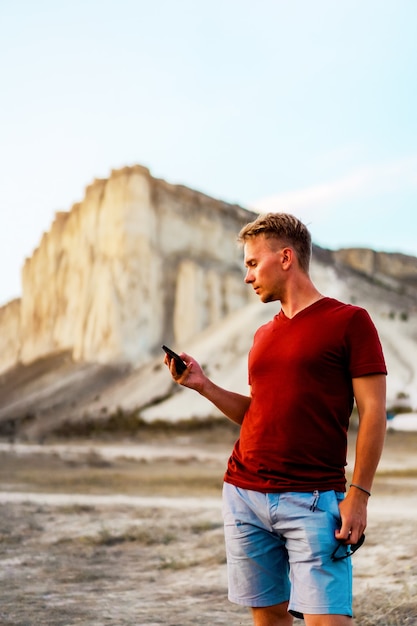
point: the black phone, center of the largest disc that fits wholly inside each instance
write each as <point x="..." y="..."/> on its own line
<point x="180" y="366"/>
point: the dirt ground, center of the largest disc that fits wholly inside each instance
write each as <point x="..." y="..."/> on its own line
<point x="130" y="533"/>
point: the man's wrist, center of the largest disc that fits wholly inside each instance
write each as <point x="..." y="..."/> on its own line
<point x="361" y="488"/>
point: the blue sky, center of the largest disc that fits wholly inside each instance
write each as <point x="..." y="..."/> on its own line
<point x="300" y="105"/>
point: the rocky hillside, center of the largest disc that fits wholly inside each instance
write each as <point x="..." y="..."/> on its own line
<point x="140" y="263"/>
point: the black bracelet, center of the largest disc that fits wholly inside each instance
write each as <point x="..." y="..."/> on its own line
<point x="361" y="488"/>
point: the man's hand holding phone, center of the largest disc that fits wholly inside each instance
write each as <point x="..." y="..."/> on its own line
<point x="179" y="364"/>
<point x="187" y="373"/>
<point x="233" y="405"/>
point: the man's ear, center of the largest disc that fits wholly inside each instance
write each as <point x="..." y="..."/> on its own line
<point x="287" y="257"/>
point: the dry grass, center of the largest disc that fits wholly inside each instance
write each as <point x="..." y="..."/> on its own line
<point x="381" y="609"/>
<point x="93" y="565"/>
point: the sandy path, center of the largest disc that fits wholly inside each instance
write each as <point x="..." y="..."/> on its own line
<point x="111" y="500"/>
<point x="136" y="452"/>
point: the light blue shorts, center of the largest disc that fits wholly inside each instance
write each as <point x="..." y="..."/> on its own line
<point x="279" y="548"/>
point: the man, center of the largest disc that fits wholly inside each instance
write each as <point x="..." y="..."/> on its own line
<point x="285" y="512"/>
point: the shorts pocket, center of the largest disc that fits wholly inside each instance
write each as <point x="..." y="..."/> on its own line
<point x="328" y="502"/>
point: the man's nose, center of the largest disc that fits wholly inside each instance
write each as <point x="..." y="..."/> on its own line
<point x="249" y="276"/>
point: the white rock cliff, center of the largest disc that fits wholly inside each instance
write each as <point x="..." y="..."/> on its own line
<point x="140" y="262"/>
<point x="137" y="263"/>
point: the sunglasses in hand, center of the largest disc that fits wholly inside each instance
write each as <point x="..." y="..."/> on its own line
<point x="344" y="551"/>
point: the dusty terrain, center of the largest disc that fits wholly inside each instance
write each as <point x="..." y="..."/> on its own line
<point x="130" y="533"/>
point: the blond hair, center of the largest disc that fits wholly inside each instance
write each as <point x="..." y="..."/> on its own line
<point x="285" y="227"/>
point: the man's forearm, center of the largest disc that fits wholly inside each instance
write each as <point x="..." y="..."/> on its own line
<point x="232" y="405"/>
<point x="369" y="445"/>
<point x="370" y="399"/>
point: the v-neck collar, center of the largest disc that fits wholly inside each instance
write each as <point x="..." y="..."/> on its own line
<point x="281" y="315"/>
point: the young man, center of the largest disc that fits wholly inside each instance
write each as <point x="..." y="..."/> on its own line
<point x="285" y="512"/>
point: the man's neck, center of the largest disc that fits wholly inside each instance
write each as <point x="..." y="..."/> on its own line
<point x="300" y="298"/>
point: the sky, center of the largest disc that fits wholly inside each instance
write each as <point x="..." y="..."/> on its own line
<point x="305" y="106"/>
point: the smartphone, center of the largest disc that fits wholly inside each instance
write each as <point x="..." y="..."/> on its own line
<point x="180" y="366"/>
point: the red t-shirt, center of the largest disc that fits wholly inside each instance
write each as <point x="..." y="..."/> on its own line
<point x="294" y="434"/>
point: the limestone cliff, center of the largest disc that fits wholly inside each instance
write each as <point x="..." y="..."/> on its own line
<point x="10" y="334"/>
<point x="387" y="267"/>
<point x="138" y="262"/>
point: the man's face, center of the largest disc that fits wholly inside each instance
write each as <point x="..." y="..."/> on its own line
<point x="264" y="268"/>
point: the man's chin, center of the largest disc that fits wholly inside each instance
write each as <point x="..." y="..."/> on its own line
<point x="267" y="297"/>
